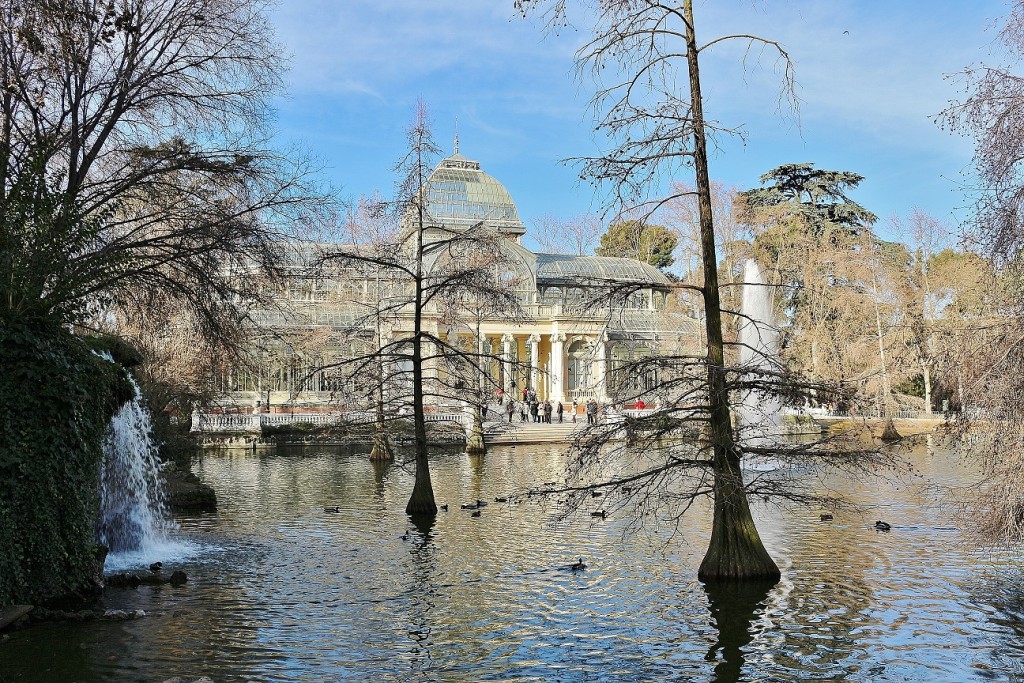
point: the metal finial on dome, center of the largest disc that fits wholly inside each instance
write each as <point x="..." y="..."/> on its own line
<point x="456" y="135"/>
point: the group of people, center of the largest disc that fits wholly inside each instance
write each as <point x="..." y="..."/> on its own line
<point x="542" y="411"/>
<point x="539" y="411"/>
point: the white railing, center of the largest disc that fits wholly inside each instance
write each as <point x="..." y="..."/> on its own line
<point x="233" y="422"/>
<point x="459" y="418"/>
<point x="582" y="393"/>
<point x="323" y="419"/>
<point x="225" y="422"/>
<point x="633" y="412"/>
<point x="877" y="414"/>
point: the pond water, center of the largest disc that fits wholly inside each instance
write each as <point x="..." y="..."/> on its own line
<point x="279" y="590"/>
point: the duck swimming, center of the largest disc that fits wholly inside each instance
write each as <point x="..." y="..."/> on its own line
<point x="600" y="513"/>
<point x="335" y="508"/>
<point x="577" y="566"/>
<point x="883" y="526"/>
<point x="827" y="517"/>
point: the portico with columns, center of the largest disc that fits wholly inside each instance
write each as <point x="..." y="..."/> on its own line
<point x="537" y="358"/>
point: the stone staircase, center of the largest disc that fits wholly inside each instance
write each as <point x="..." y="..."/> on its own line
<point x="530" y="432"/>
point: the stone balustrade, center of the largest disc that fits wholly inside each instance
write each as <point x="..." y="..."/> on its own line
<point x="252" y="423"/>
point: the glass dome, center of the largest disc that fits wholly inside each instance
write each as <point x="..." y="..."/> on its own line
<point x="459" y="194"/>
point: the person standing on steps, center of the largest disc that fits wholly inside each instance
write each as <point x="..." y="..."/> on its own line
<point x="547" y="412"/>
<point x="560" y="409"/>
<point x="510" y="409"/>
<point x="575" y="409"/>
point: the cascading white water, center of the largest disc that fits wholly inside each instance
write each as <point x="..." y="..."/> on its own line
<point x="133" y="512"/>
<point x="757" y="412"/>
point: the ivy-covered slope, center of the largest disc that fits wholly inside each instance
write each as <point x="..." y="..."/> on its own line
<point x="56" y="400"/>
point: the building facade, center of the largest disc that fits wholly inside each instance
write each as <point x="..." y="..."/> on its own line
<point x="568" y="344"/>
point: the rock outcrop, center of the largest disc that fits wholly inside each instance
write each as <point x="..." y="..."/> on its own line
<point x="186" y="493"/>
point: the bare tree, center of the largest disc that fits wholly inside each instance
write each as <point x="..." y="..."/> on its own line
<point x="682" y="215"/>
<point x="646" y="48"/>
<point x="577" y="235"/>
<point x="992" y="388"/>
<point x="144" y="123"/>
<point x="438" y="273"/>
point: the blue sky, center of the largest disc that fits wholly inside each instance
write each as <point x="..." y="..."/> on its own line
<point x="868" y="97"/>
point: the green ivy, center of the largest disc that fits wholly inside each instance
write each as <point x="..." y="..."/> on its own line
<point x="57" y="400"/>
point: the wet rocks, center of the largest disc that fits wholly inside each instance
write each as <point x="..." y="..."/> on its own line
<point x="123" y="614"/>
<point x="133" y="580"/>
<point x="185" y="492"/>
<point x="9" y="615"/>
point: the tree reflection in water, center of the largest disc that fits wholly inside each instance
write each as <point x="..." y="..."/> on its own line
<point x="422" y="592"/>
<point x="734" y="606"/>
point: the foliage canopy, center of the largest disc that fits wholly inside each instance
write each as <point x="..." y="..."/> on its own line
<point x="635" y="239"/>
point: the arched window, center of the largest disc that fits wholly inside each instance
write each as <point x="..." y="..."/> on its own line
<point x="580" y="357"/>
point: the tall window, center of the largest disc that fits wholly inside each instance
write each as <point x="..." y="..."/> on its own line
<point x="580" y="356"/>
<point x="624" y="375"/>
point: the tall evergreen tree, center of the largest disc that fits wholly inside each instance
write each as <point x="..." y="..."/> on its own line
<point x="817" y="195"/>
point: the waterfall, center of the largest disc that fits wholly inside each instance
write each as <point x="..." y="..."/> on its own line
<point x="756" y="411"/>
<point x="133" y="518"/>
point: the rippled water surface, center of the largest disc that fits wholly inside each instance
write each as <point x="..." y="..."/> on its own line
<point x="279" y="590"/>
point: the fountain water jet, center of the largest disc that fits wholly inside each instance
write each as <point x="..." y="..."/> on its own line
<point x="759" y="346"/>
<point x="757" y="412"/>
<point x="133" y="520"/>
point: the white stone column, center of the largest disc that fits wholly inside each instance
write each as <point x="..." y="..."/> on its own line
<point x="558" y="366"/>
<point x="534" y="361"/>
<point x="508" y="370"/>
<point x="601" y="365"/>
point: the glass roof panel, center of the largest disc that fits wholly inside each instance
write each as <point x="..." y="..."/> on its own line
<point x="560" y="268"/>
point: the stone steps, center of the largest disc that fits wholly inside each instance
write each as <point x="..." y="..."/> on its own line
<point x="530" y="432"/>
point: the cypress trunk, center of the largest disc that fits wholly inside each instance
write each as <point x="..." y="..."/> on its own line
<point x="381" y="444"/>
<point x="421" y="502"/>
<point x="735" y="550"/>
<point x="475" y="440"/>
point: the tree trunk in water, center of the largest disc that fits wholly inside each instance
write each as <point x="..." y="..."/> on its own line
<point x="735" y="550"/>
<point x="475" y="439"/>
<point x="381" y="445"/>
<point x="421" y="502"/>
<point x="889" y="432"/>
